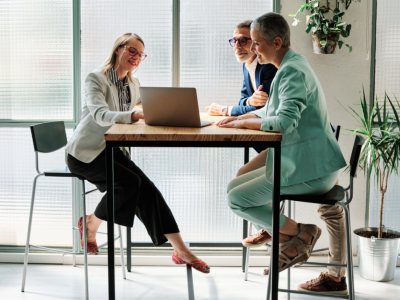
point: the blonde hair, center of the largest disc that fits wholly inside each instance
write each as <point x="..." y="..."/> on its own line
<point x="122" y="40"/>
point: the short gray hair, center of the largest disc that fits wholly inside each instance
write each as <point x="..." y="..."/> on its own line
<point x="244" y="24"/>
<point x="272" y="25"/>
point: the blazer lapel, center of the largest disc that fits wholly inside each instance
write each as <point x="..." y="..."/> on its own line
<point x="114" y="93"/>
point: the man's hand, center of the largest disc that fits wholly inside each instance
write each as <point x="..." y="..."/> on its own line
<point x="259" y="98"/>
<point x="214" y="109"/>
<point x="136" y="115"/>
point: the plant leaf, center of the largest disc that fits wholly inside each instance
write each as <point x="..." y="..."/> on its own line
<point x="348" y="29"/>
<point x="344" y="33"/>
<point x="340" y="14"/>
<point x="292" y="15"/>
<point x="340" y="44"/>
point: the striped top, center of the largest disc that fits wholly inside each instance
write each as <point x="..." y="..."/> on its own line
<point x="123" y="90"/>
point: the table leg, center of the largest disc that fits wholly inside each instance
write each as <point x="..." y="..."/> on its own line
<point x="110" y="220"/>
<point x="275" y="222"/>
<point x="245" y="222"/>
<point x="129" y="238"/>
<point x="128" y="248"/>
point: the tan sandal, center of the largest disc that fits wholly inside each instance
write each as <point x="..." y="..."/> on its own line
<point x="314" y="231"/>
<point x="302" y="253"/>
<point x="303" y="250"/>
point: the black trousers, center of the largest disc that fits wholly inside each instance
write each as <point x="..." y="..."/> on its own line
<point x="134" y="193"/>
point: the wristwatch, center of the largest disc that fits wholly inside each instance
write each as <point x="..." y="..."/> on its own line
<point x="224" y="110"/>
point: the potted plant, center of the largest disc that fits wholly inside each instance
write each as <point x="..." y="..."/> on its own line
<point x="326" y="26"/>
<point x="378" y="248"/>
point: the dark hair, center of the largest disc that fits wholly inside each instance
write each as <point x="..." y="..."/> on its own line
<point x="244" y="24"/>
<point x="272" y="25"/>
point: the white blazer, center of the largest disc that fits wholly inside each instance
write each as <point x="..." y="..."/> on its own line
<point x="100" y="111"/>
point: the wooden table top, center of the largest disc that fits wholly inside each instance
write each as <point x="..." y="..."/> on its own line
<point x="139" y="131"/>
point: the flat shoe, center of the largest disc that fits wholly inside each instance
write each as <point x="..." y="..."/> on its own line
<point x="198" y="265"/>
<point x="92" y="248"/>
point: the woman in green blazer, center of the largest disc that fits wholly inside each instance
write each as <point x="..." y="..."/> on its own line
<point x="311" y="157"/>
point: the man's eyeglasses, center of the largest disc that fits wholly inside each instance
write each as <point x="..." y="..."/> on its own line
<point x="242" y="41"/>
<point x="133" y="52"/>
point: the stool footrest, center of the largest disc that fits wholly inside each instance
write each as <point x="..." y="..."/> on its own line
<point x="317" y="294"/>
<point x="116" y="237"/>
<point x="55" y="250"/>
<point x="100" y="232"/>
<point x="192" y="244"/>
<point x="325" y="264"/>
<point x="320" y="250"/>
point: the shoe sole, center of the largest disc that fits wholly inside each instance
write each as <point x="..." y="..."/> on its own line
<point x="249" y="245"/>
<point x="327" y="292"/>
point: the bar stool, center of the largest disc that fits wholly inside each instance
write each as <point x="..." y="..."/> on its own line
<point x="336" y="196"/>
<point x="336" y="132"/>
<point x="49" y="137"/>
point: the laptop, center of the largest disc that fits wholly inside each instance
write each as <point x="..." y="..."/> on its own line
<point x="171" y="106"/>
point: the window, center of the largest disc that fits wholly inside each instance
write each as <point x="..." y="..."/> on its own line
<point x="387" y="78"/>
<point x="36" y="83"/>
<point x="36" y="60"/>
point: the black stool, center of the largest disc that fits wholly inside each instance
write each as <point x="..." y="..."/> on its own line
<point x="336" y="132"/>
<point x="336" y="196"/>
<point x="49" y="137"/>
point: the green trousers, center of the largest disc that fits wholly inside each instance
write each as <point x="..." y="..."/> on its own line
<point x="249" y="195"/>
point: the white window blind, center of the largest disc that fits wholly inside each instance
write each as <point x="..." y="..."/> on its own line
<point x="387" y="78"/>
<point x="387" y="60"/>
<point x="36" y="60"/>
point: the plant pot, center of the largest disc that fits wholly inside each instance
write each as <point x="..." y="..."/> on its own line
<point x="377" y="258"/>
<point x="330" y="47"/>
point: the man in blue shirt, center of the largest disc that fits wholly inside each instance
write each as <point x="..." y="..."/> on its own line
<point x="257" y="78"/>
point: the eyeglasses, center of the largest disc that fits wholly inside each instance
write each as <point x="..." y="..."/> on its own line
<point x="133" y="52"/>
<point x="242" y="41"/>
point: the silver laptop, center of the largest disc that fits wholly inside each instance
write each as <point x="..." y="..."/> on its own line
<point x="171" y="106"/>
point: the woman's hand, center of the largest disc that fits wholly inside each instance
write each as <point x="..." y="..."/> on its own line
<point x="227" y="120"/>
<point x="136" y="115"/>
<point x="242" y="117"/>
<point x="245" y="124"/>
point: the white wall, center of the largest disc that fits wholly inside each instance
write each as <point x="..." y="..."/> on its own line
<point x="342" y="76"/>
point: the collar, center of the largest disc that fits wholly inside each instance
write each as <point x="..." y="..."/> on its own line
<point x="115" y="79"/>
<point x="253" y="65"/>
<point x="287" y="56"/>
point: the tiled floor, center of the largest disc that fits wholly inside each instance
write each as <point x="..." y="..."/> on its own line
<point x="46" y="282"/>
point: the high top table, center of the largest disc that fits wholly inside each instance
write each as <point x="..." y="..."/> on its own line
<point x="141" y="135"/>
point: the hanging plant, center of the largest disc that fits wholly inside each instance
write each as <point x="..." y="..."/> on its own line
<point x="326" y="25"/>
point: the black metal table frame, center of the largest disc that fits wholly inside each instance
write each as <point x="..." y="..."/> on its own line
<point x="275" y="145"/>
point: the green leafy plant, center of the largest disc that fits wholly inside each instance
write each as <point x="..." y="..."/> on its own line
<point x="325" y="22"/>
<point x="381" y="151"/>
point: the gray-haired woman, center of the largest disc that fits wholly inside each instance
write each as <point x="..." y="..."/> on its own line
<point x="311" y="157"/>
<point x="111" y="94"/>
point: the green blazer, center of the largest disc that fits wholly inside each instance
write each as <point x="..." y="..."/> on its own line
<point x="297" y="109"/>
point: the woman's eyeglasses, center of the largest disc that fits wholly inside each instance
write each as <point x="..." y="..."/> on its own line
<point x="133" y="52"/>
<point x="242" y="41"/>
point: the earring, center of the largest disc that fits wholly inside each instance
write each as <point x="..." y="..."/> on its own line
<point x="276" y="48"/>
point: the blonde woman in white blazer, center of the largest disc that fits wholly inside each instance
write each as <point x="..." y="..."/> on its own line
<point x="111" y="94"/>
